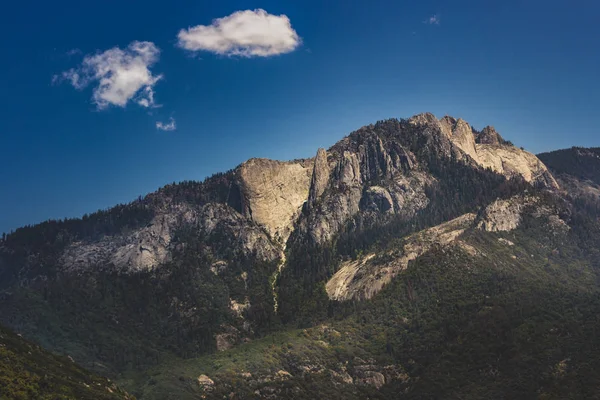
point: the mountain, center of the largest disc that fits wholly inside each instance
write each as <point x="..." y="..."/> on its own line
<point x="417" y="256"/>
<point x="580" y="163"/>
<point x="501" y="305"/>
<point x="578" y="171"/>
<point x="29" y="372"/>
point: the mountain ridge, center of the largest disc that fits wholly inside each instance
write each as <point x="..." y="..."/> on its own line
<point x="259" y="203"/>
<point x="202" y="267"/>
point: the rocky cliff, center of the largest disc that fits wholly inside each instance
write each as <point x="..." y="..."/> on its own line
<point x="489" y="150"/>
<point x="384" y="169"/>
<point x="273" y="193"/>
<point x="362" y="278"/>
<point x="381" y="169"/>
<point x="201" y="266"/>
<point x="151" y="246"/>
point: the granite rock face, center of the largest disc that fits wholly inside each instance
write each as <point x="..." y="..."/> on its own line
<point x="488" y="150"/>
<point x="320" y="177"/>
<point x="385" y="170"/>
<point x="461" y="134"/>
<point x="378" y="170"/>
<point x="151" y="246"/>
<point x="273" y="192"/>
<point x="365" y="276"/>
<point x="504" y="215"/>
<point x="227" y="238"/>
<point x="362" y="173"/>
<point x="362" y="278"/>
<point x="145" y="248"/>
<point x="510" y="162"/>
<point x="489" y="135"/>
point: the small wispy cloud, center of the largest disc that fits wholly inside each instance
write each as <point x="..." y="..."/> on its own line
<point x="73" y="52"/>
<point x="169" y="126"/>
<point x="433" y="20"/>
<point x="121" y="75"/>
<point x="249" y="33"/>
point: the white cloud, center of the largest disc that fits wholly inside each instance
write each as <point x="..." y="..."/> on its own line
<point x="73" y="52"/>
<point x="433" y="20"/>
<point x="121" y="75"/>
<point x="244" y="33"/>
<point x="170" y="126"/>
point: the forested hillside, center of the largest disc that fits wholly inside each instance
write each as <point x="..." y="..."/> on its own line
<point x="416" y="258"/>
<point x="29" y="372"/>
<point x="582" y="163"/>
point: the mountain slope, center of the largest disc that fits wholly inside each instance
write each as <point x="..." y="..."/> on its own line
<point x="28" y="372"/>
<point x="391" y="179"/>
<point x="582" y="163"/>
<point x="255" y="253"/>
<point x="499" y="311"/>
<point x="578" y="171"/>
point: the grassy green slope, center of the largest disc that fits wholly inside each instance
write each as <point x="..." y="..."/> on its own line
<point x="29" y="372"/>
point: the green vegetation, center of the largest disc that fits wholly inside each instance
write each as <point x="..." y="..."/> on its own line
<point x="255" y="366"/>
<point x="513" y="321"/>
<point x="115" y="322"/>
<point x="459" y="189"/>
<point x="582" y="163"/>
<point x="27" y="372"/>
<point x="500" y="315"/>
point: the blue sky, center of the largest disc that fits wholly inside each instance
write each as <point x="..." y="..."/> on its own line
<point x="530" y="68"/>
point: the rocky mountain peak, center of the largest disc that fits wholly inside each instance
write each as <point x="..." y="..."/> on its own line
<point x="487" y="149"/>
<point x="460" y="133"/>
<point x="489" y="135"/>
<point x="380" y="169"/>
<point x="423" y="119"/>
<point x="203" y="266"/>
<point x="320" y="176"/>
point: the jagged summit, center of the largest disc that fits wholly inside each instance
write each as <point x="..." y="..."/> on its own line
<point x="382" y="167"/>
<point x="198" y="267"/>
<point x="489" y="150"/>
<point x="489" y="135"/>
